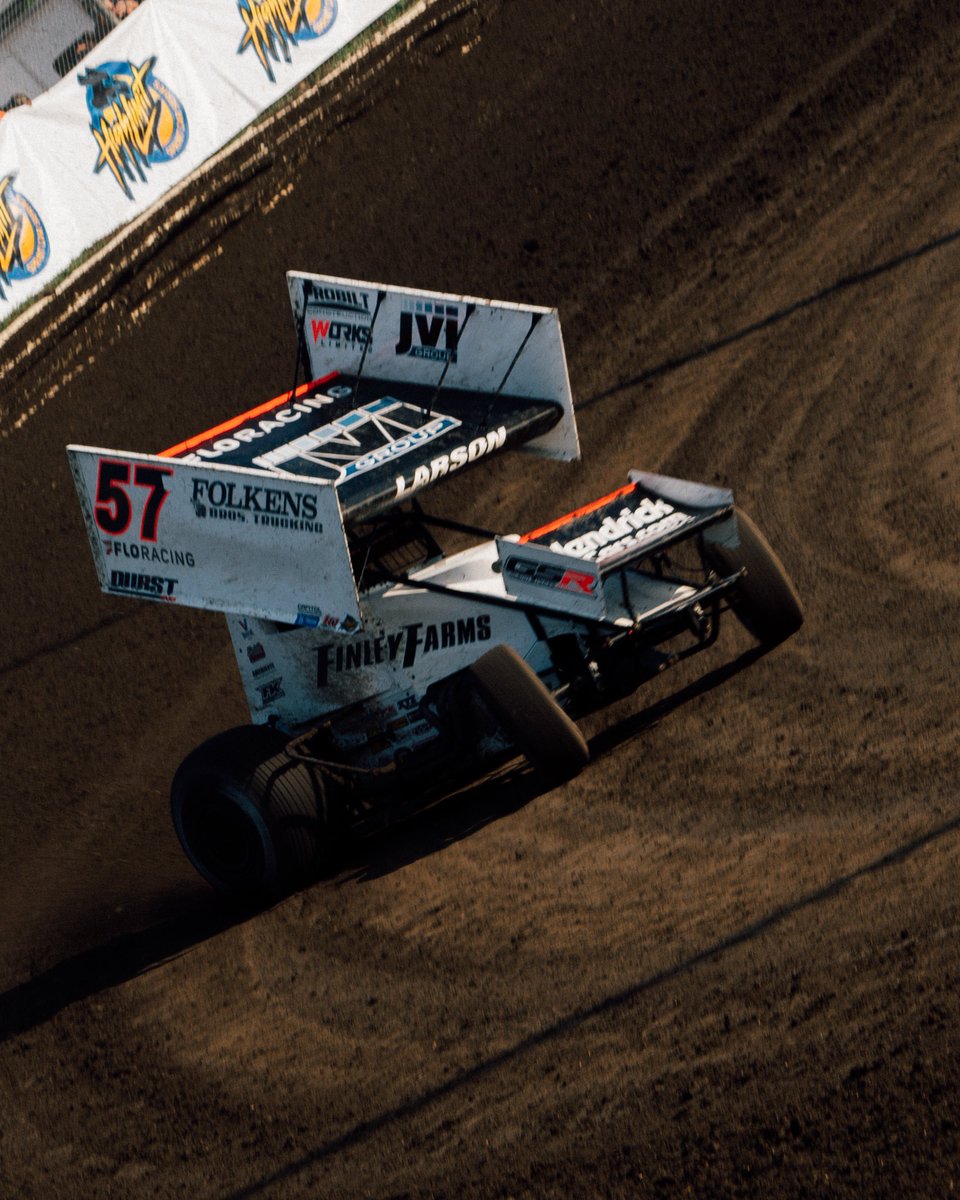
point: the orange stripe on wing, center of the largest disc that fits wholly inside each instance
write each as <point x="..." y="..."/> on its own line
<point x="235" y="422"/>
<point x="580" y="512"/>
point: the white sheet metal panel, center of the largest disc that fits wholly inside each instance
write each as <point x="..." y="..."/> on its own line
<point x="541" y="576"/>
<point x="233" y="540"/>
<point x="426" y="337"/>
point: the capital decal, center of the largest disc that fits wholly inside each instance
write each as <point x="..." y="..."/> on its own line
<point x="24" y="246"/>
<point x="135" y="119"/>
<point x="274" y="28"/>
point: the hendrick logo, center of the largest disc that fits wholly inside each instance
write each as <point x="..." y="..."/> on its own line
<point x="135" y="119"/>
<point x="24" y="246"/>
<point x="429" y="329"/>
<point x="274" y="28"/>
<point x="404" y="645"/>
<point x="628" y="530"/>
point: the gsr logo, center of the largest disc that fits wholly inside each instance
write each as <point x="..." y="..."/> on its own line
<point x="549" y="575"/>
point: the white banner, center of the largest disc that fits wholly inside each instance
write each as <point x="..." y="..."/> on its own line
<point x="166" y="89"/>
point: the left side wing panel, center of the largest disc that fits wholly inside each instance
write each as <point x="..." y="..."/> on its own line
<point x="230" y="539"/>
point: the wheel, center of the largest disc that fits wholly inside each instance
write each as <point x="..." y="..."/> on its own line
<point x="765" y="601"/>
<point x="529" y="715"/>
<point x="254" y="822"/>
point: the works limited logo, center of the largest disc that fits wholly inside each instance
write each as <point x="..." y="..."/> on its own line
<point x="430" y="329"/>
<point x="339" y="317"/>
<point x="24" y="246"/>
<point x="135" y="119"/>
<point x="273" y="28"/>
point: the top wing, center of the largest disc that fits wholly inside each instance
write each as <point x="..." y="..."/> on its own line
<point x="377" y="442"/>
<point x="250" y="516"/>
<point x="437" y="339"/>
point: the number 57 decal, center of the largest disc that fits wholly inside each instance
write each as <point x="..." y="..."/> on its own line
<point x="113" y="509"/>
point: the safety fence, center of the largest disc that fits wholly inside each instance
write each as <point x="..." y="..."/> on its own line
<point x="152" y="99"/>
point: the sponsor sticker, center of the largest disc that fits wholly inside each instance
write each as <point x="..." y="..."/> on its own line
<point x="277" y="507"/>
<point x="634" y="526"/>
<point x="429" y="329"/>
<point x="546" y="574"/>
<point x="360" y="440"/>
<point x="404" y="645"/>
<point x="151" y="587"/>
<point x="446" y="464"/>
<point x="271" y="692"/>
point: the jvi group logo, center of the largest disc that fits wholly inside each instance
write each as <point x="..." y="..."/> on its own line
<point x="24" y="246"/>
<point x="135" y="119"/>
<point x="274" y="27"/>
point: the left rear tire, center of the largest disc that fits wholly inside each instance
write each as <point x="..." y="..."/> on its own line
<point x="254" y="822"/>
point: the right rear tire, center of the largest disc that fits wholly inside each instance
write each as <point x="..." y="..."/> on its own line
<point x="765" y="601"/>
<point x="529" y="715"/>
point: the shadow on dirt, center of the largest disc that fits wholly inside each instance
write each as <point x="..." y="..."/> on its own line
<point x="114" y="962"/>
<point x="774" y="318"/>
<point x="605" y="1006"/>
<point x="430" y="830"/>
<point x="15" y="664"/>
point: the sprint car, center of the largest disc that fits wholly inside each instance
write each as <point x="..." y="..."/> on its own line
<point x="379" y="672"/>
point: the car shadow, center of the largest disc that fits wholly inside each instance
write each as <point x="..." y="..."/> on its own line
<point x="424" y="833"/>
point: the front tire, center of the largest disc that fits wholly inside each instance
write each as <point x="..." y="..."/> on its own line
<point x="254" y="822"/>
<point x="765" y="601"/>
<point x="529" y="715"/>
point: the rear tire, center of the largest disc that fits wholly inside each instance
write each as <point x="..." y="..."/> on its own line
<point x="254" y="822"/>
<point x="529" y="715"/>
<point x="765" y="601"/>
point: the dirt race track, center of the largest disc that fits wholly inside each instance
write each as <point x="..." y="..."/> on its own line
<point x="724" y="960"/>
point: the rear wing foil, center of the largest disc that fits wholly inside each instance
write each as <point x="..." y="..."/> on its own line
<point x="429" y="338"/>
<point x="224" y="538"/>
<point x="648" y="513"/>
<point x="376" y="441"/>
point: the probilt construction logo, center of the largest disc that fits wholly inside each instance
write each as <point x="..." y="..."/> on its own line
<point x="274" y="28"/>
<point x="135" y="119"/>
<point x="24" y="247"/>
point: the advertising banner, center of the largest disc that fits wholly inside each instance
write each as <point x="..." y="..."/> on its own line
<point x="167" y="88"/>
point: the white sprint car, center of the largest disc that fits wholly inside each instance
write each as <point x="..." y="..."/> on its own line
<point x="378" y="671"/>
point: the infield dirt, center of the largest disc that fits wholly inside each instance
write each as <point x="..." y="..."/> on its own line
<point x="724" y="960"/>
